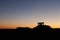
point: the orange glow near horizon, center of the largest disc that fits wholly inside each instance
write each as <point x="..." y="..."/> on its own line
<point x="14" y="26"/>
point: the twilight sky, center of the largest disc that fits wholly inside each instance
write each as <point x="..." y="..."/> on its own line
<point x="28" y="13"/>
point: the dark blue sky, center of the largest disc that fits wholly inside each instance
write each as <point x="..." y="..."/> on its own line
<point x="28" y="12"/>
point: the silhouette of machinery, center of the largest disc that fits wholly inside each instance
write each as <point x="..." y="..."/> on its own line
<point x="40" y="23"/>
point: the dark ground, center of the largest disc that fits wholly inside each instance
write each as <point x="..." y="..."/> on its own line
<point x="24" y="30"/>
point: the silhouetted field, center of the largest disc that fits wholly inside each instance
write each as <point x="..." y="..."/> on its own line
<point x="39" y="28"/>
<point x="7" y="30"/>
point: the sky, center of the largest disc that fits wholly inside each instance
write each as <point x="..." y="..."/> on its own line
<point x="27" y="13"/>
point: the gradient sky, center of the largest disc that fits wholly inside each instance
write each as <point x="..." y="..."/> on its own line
<point x="22" y="13"/>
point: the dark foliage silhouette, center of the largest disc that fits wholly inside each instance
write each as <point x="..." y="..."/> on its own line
<point x="40" y="28"/>
<point x="21" y="29"/>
